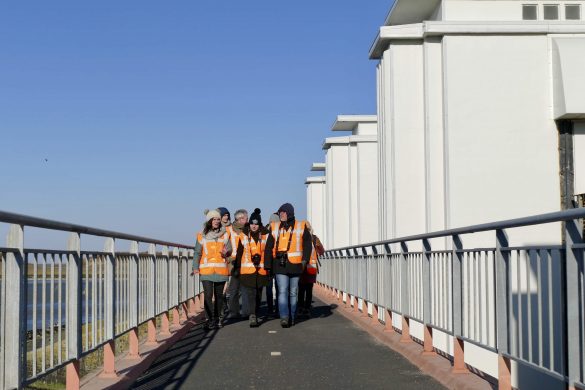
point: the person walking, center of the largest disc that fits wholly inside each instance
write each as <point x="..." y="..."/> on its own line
<point x="288" y="251"/>
<point x="272" y="303"/>
<point x="250" y="263"/>
<point x="233" y="291"/>
<point x="212" y="248"/>
<point x="309" y="277"/>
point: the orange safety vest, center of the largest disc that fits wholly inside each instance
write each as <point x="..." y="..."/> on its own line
<point x="251" y="248"/>
<point x="235" y="240"/>
<point x="211" y="261"/>
<point x="290" y="241"/>
<point x="312" y="267"/>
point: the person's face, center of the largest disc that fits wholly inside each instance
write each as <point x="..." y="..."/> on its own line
<point x="242" y="219"/>
<point x="254" y="228"/>
<point x="215" y="223"/>
<point x="225" y="218"/>
<point x="283" y="216"/>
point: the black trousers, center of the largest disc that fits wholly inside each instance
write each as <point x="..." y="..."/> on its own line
<point x="254" y="298"/>
<point x="305" y="295"/>
<point x="213" y="310"/>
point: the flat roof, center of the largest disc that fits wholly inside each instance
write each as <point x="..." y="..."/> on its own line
<point x="315" y="179"/>
<point x="410" y="11"/>
<point x="350" y="122"/>
<point x="318" y="167"/>
<point x="335" y="141"/>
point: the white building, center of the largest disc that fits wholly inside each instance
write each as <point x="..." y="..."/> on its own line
<point x="316" y="202"/>
<point x="477" y="102"/>
<point x="351" y="182"/>
<point x="460" y="82"/>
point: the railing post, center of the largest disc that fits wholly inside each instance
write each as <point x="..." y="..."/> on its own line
<point x="573" y="260"/>
<point x="133" y="352"/>
<point x="110" y="310"/>
<point x="405" y="338"/>
<point x="388" y="315"/>
<point x="74" y="299"/>
<point x="165" y="329"/>
<point x="15" y="312"/>
<point x="502" y="257"/>
<point x="428" y="349"/>
<point x="458" y="343"/>
<point x="174" y="287"/>
<point x="151" y="306"/>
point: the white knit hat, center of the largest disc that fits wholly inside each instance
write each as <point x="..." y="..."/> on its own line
<point x="210" y="214"/>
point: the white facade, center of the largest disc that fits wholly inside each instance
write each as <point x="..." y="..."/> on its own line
<point x="316" y="202"/>
<point x="468" y="98"/>
<point x="351" y="183"/>
<point x="363" y="161"/>
<point x="458" y="83"/>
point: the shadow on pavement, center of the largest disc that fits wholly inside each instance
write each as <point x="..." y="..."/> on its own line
<point x="170" y="369"/>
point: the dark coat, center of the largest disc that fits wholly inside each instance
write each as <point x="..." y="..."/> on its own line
<point x="255" y="279"/>
<point x="289" y="268"/>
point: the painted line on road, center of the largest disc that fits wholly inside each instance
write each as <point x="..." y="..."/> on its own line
<point x="275" y="354"/>
<point x="271" y="331"/>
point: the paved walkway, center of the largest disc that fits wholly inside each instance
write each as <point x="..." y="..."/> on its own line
<point x="325" y="352"/>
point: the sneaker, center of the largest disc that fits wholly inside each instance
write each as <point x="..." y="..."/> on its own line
<point x="284" y="322"/>
<point x="253" y="321"/>
<point x="209" y="325"/>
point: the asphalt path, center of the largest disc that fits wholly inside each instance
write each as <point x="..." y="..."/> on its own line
<point x="327" y="351"/>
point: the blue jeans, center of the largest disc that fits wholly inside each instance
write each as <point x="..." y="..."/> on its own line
<point x="288" y="287"/>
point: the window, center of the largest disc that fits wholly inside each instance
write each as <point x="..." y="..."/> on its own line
<point x="573" y="12"/>
<point x="529" y="12"/>
<point x="551" y="12"/>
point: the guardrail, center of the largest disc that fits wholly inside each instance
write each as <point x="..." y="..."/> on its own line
<point x="57" y="306"/>
<point x="525" y="303"/>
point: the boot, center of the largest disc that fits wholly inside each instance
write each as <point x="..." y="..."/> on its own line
<point x="284" y="322"/>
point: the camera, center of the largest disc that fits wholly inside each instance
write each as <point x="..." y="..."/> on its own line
<point x="282" y="258"/>
<point x="256" y="259"/>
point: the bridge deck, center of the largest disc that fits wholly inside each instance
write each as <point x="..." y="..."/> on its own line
<point x="327" y="351"/>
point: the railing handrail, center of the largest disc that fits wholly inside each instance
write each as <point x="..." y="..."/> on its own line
<point x="557" y="216"/>
<point x="26" y="220"/>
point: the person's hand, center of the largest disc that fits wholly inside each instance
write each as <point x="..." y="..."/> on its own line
<point x="194" y="272"/>
<point x="223" y="252"/>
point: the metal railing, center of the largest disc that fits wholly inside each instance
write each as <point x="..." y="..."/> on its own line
<point x="57" y="306"/>
<point x="525" y="303"/>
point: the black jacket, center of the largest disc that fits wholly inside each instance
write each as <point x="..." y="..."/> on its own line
<point x="289" y="268"/>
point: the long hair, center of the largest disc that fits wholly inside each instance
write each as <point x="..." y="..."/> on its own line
<point x="207" y="226"/>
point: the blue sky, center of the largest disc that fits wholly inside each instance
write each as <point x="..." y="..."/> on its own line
<point x="148" y="112"/>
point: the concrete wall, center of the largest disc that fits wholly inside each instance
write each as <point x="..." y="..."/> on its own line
<point x="501" y="156"/>
<point x="367" y="194"/>
<point x="338" y="192"/>
<point x="316" y="206"/>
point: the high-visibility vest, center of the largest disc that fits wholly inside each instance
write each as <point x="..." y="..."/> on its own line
<point x="211" y="261"/>
<point x="234" y="239"/>
<point x="312" y="267"/>
<point x="290" y="241"/>
<point x="251" y="248"/>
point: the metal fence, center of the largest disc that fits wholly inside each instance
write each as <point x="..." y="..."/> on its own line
<point x="57" y="306"/>
<point x="525" y="303"/>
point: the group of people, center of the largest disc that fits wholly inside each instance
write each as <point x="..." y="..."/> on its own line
<point x="239" y="259"/>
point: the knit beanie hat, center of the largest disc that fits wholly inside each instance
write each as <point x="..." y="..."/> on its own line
<point x="288" y="209"/>
<point x="210" y="214"/>
<point x="223" y="211"/>
<point x="256" y="218"/>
